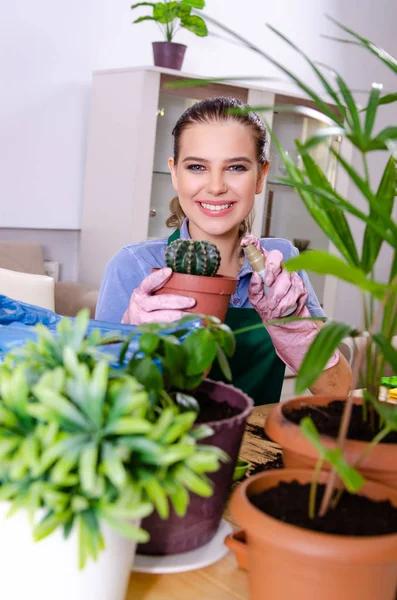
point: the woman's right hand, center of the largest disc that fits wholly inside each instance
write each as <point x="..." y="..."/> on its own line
<point x="144" y="307"/>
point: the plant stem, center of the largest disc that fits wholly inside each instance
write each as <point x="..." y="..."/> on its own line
<point x="366" y="170"/>
<point x="378" y="438"/>
<point x="313" y="488"/>
<point x="344" y="426"/>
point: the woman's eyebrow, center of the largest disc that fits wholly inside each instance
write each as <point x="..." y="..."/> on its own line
<point x="226" y="160"/>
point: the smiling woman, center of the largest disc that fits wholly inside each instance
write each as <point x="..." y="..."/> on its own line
<point x="219" y="164"/>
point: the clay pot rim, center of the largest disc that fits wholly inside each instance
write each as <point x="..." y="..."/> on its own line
<point x="289" y="436"/>
<point x="259" y="525"/>
<point x="230" y="421"/>
<point x="167" y="42"/>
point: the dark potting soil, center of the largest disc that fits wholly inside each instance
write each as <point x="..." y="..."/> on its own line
<point x="327" y="420"/>
<point x="276" y="463"/>
<point x="213" y="411"/>
<point x="353" y="515"/>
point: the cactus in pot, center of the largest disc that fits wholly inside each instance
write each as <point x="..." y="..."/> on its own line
<point x="193" y="257"/>
<point x="195" y="264"/>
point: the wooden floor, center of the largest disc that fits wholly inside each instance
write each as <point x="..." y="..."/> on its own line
<point x="223" y="580"/>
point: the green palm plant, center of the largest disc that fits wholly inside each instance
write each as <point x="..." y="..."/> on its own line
<point x="337" y="106"/>
<point x="81" y="442"/>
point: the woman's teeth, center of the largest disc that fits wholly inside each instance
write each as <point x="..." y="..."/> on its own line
<point x="215" y="207"/>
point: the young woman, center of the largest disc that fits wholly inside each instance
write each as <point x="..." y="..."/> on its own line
<point x="220" y="162"/>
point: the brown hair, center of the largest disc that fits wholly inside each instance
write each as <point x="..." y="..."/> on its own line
<point x="215" y="110"/>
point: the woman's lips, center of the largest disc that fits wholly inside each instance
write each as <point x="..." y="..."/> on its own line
<point x="216" y="209"/>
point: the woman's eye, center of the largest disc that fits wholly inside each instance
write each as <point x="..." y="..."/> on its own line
<point x="195" y="168"/>
<point x="237" y="168"/>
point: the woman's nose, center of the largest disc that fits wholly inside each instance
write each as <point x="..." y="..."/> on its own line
<point x="216" y="183"/>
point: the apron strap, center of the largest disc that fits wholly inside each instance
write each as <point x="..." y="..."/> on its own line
<point x="174" y="236"/>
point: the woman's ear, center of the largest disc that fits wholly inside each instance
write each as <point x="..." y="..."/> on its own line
<point x="172" y="168"/>
<point x="262" y="172"/>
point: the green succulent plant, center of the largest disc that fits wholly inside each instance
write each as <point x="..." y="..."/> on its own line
<point x="193" y="257"/>
<point x="174" y="15"/>
<point x="82" y="442"/>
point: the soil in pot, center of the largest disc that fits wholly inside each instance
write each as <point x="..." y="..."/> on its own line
<point x="354" y="515"/>
<point x="327" y="420"/>
<point x="213" y="411"/>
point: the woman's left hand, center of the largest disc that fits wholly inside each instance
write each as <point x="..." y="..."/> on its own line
<point x="291" y="340"/>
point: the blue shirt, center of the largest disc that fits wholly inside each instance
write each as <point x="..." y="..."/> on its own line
<point x="126" y="270"/>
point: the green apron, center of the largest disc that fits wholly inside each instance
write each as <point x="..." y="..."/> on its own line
<point x="256" y="368"/>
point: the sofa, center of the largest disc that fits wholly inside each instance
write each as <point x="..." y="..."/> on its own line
<point x="69" y="296"/>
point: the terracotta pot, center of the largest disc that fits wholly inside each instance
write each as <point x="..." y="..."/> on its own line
<point x="380" y="464"/>
<point x="212" y="294"/>
<point x="168" y="54"/>
<point x="286" y="561"/>
<point x="203" y="517"/>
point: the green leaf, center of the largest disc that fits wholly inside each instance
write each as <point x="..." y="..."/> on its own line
<point x="87" y="468"/>
<point x="371" y="110"/>
<point x="140" y="19"/>
<point x="181" y="425"/>
<point x="142" y="4"/>
<point x="201" y="350"/>
<point x="352" y="479"/>
<point x="60" y="406"/>
<point x="335" y="215"/>
<point x="385" y="195"/>
<point x="148" y="342"/>
<point x="49" y="523"/>
<point x="113" y="466"/>
<point x="388" y="99"/>
<point x="165" y="12"/>
<point x="199" y="4"/>
<point x="195" y="24"/>
<point x="146" y="372"/>
<point x="387" y="411"/>
<point x="223" y="363"/>
<point x="158" y="496"/>
<point x="195" y="483"/>
<point x="327" y="86"/>
<point x="388" y="60"/>
<point x="129" y="426"/>
<point x="180" y="500"/>
<point x="388" y="351"/>
<point x="126" y="529"/>
<point x="386" y="135"/>
<point x="186" y="402"/>
<point x="322" y="348"/>
<point x="324" y="263"/>
<point x="352" y="116"/>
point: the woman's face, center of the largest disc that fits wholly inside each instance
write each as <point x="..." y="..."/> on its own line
<point x="217" y="176"/>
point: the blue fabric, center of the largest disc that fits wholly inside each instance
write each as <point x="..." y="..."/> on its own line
<point x="17" y="321"/>
<point x="134" y="262"/>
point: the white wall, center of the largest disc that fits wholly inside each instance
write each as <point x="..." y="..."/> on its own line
<point x="48" y="50"/>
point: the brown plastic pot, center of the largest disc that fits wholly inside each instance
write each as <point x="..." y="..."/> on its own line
<point x="203" y="516"/>
<point x="212" y="294"/>
<point x="168" y="54"/>
<point x="285" y="561"/>
<point x="379" y="465"/>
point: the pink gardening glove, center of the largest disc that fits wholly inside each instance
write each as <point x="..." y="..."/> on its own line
<point x="291" y="340"/>
<point x="146" y="308"/>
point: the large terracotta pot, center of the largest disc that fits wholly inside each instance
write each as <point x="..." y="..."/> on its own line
<point x="287" y="562"/>
<point x="203" y="517"/>
<point x="380" y="464"/>
<point x="212" y="294"/>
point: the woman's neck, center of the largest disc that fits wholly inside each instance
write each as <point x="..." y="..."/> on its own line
<point x="228" y="244"/>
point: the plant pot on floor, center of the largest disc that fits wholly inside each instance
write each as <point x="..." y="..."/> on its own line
<point x="203" y="516"/>
<point x="49" y="569"/>
<point x="286" y="561"/>
<point x="379" y="465"/>
<point x="168" y="54"/>
<point x="212" y="294"/>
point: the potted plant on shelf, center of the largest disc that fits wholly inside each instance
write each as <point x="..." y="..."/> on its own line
<point x="195" y="265"/>
<point x="171" y="16"/>
<point x="302" y="540"/>
<point x="172" y="369"/>
<point x="84" y="457"/>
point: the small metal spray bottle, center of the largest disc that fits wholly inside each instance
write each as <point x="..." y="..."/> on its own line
<point x="257" y="262"/>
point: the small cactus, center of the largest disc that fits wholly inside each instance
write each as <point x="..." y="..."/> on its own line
<point x="193" y="257"/>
